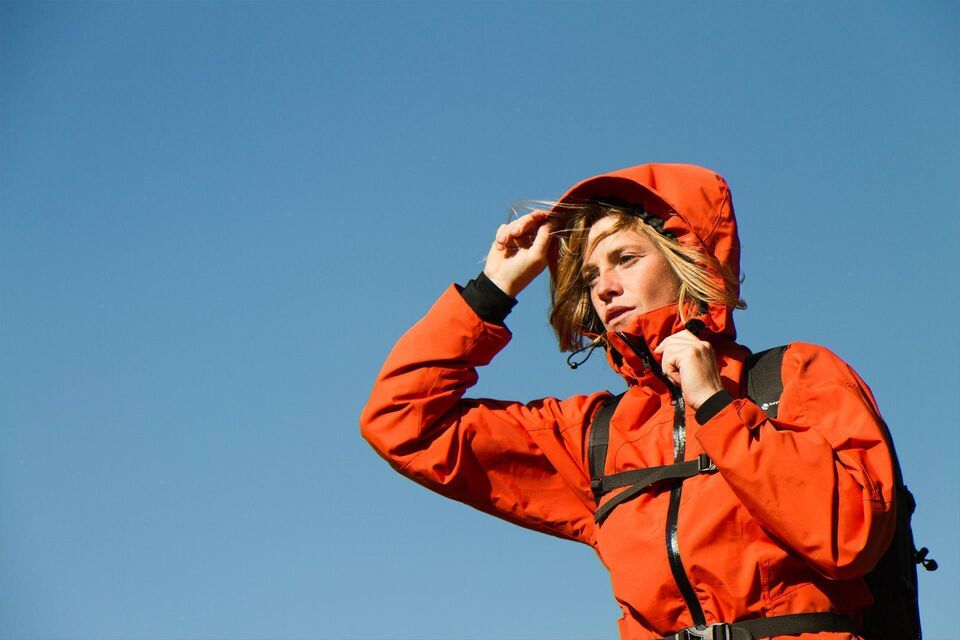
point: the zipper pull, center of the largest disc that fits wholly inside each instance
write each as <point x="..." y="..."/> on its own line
<point x="641" y="351"/>
<point x="694" y="326"/>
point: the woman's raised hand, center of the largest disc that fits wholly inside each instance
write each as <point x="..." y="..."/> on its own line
<point x="519" y="252"/>
<point x="691" y="364"/>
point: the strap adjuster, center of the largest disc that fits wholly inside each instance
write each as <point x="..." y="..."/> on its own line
<point x="705" y="464"/>
<point x="718" y="631"/>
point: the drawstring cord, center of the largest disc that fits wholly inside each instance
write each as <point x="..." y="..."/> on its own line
<point x="694" y="326"/>
<point x="593" y="345"/>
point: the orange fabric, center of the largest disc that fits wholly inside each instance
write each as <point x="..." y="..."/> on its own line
<point x="801" y="506"/>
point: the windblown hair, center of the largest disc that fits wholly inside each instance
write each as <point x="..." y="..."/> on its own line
<point x="571" y="312"/>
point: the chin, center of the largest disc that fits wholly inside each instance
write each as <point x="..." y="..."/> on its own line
<point x="620" y="322"/>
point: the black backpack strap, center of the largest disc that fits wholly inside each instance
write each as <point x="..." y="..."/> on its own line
<point x="642" y="479"/>
<point x="785" y="625"/>
<point x="650" y="475"/>
<point x="764" y="386"/>
<point x="599" y="439"/>
<point x="764" y="382"/>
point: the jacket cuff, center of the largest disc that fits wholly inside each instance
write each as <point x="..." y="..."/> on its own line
<point x="714" y="405"/>
<point x="487" y="300"/>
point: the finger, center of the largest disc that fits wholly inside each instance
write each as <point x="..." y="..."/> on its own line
<point x="532" y="222"/>
<point x="522" y="232"/>
<point x="502" y="235"/>
<point x="542" y="239"/>
<point x="678" y="339"/>
<point x="669" y="368"/>
<point x="667" y="342"/>
<point x="511" y="232"/>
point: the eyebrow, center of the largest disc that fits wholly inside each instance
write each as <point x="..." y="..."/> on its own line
<point x="613" y="255"/>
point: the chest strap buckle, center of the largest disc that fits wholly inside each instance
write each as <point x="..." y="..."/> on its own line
<point x="705" y="464"/>
<point x="718" y="631"/>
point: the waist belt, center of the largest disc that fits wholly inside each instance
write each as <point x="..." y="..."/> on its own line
<point x="787" y="625"/>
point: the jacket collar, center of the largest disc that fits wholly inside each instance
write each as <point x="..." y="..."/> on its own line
<point x="631" y="350"/>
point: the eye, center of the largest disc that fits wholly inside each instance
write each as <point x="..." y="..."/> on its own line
<point x="589" y="278"/>
<point x="627" y="258"/>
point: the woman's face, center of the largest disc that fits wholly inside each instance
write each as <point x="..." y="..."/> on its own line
<point x="627" y="275"/>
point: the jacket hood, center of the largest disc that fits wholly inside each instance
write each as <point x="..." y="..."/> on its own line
<point x="696" y="208"/>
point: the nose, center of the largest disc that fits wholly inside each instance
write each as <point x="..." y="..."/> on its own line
<point x="608" y="286"/>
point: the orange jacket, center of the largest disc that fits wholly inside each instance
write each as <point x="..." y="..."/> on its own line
<point x="801" y="507"/>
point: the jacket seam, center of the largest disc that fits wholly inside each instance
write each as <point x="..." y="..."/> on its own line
<point x="725" y="201"/>
<point x="585" y="419"/>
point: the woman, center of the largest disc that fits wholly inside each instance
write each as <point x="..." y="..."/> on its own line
<point x="800" y="506"/>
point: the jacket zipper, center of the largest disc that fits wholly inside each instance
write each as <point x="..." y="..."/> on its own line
<point x="679" y="450"/>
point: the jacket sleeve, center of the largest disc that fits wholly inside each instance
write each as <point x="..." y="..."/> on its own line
<point x="521" y="462"/>
<point x="819" y="477"/>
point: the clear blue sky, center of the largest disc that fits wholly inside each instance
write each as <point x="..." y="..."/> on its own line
<point x="216" y="219"/>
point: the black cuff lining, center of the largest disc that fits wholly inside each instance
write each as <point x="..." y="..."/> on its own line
<point x="487" y="299"/>
<point x="713" y="405"/>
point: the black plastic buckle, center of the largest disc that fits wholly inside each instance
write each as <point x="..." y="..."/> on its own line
<point x="718" y="631"/>
<point x="596" y="484"/>
<point x="705" y="464"/>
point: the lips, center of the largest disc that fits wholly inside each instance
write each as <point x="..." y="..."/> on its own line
<point x="613" y="313"/>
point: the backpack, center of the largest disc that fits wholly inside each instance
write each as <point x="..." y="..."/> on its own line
<point x="895" y="613"/>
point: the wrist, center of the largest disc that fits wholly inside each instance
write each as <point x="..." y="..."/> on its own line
<point x="703" y="396"/>
<point x="713" y="405"/>
<point x="487" y="300"/>
<point x="505" y="285"/>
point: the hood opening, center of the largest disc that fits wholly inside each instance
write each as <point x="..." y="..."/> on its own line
<point x="683" y="202"/>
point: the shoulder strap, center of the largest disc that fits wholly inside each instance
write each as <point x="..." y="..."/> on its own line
<point x="764" y="386"/>
<point x="764" y="382"/>
<point x="599" y="439"/>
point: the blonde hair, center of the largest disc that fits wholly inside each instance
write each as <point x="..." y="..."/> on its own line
<point x="702" y="280"/>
